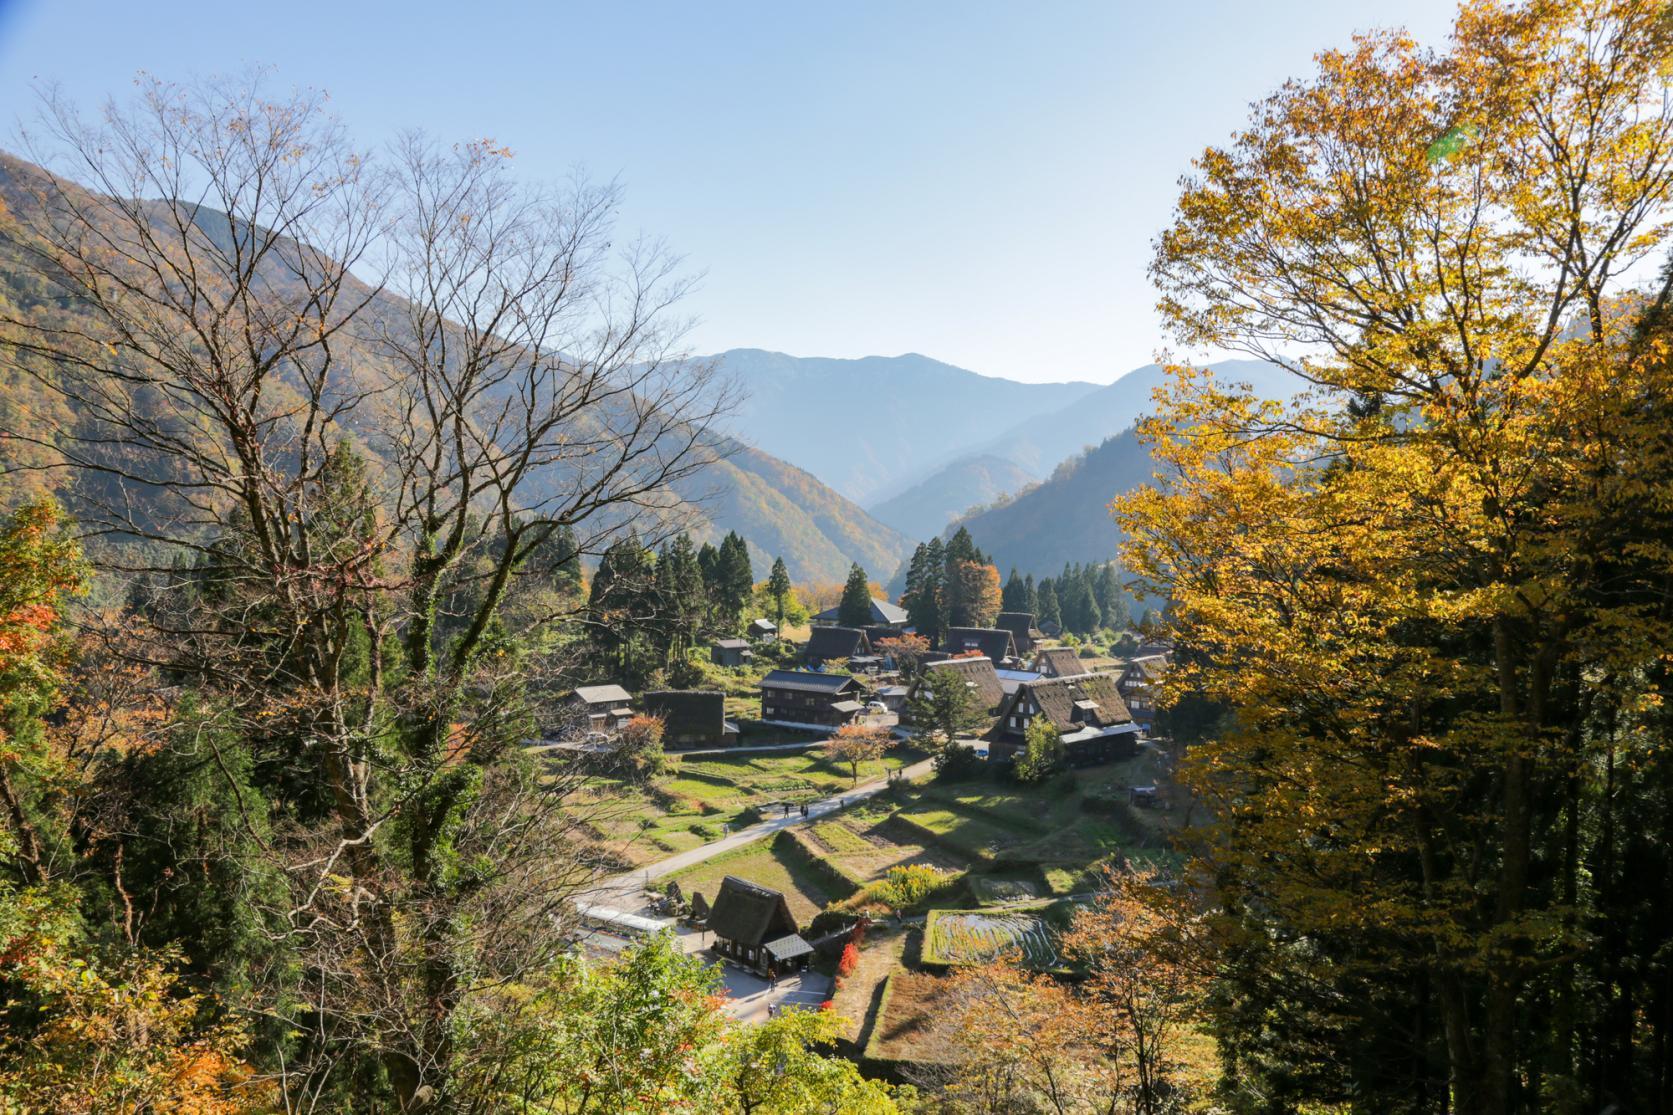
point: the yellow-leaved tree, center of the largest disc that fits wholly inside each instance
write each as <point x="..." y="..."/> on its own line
<point x="1432" y="596"/>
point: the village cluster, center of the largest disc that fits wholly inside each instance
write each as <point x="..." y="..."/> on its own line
<point x="781" y="891"/>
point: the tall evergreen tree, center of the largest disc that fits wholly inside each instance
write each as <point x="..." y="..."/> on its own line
<point x="1031" y="595"/>
<point x="961" y="547"/>
<point x="734" y="581"/>
<point x="926" y="603"/>
<point x="1047" y="610"/>
<point x="1111" y="596"/>
<point x="855" y="608"/>
<point x="1015" y="596"/>
<point x="1078" y="606"/>
<point x="779" y="588"/>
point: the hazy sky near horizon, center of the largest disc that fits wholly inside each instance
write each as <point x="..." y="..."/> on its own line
<point x="979" y="182"/>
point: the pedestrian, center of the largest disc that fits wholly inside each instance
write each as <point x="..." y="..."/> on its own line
<point x="804" y="809"/>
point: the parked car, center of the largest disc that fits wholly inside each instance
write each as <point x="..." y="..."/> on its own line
<point x="876" y="706"/>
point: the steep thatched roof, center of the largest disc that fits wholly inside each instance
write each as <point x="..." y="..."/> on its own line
<point x="749" y="914"/>
<point x="995" y="642"/>
<point x="827" y="643"/>
<point x="1072" y="703"/>
<point x="1059" y="662"/>
<point x="979" y="675"/>
<point x="1021" y="627"/>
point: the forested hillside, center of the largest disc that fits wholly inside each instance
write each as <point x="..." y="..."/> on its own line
<point x="1064" y="520"/>
<point x="782" y="511"/>
<point x="778" y="509"/>
<point x="929" y="505"/>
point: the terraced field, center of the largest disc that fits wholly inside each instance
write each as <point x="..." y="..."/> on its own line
<point x="975" y="936"/>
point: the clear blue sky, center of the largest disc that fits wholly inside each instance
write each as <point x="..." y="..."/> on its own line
<point x="979" y="182"/>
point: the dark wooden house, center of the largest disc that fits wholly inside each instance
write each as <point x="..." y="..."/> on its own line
<point x="753" y="925"/>
<point x="1059" y="662"/>
<point x="1138" y="683"/>
<point x="608" y="708"/>
<point x="691" y="717"/>
<point x="835" y="644"/>
<point x="730" y="652"/>
<point x="802" y="698"/>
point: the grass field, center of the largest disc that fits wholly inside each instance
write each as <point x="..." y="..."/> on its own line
<point x="696" y="797"/>
<point x="761" y="864"/>
<point x="904" y="1028"/>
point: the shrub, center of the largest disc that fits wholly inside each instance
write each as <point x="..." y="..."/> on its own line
<point x="909" y="884"/>
<point x="850" y="957"/>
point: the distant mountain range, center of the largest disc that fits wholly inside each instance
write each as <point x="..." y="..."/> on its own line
<point x="779" y="509"/>
<point x="919" y="442"/>
<point x="1065" y="518"/>
<point x="872" y="428"/>
<point x="923" y="509"/>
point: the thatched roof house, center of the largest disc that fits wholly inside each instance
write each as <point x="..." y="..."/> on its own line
<point x="995" y="642"/>
<point x="827" y="644"/>
<point x="753" y="924"/>
<point x="978" y="674"/>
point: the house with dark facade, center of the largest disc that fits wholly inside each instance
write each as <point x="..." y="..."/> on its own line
<point x="805" y="699"/>
<point x="978" y="675"/>
<point x="691" y="717"/>
<point x="1086" y="710"/>
<point x="730" y="652"/>
<point x="753" y="926"/>
<point x="994" y="642"/>
<point x="1138" y="683"/>
<point x="608" y="708"/>
<point x="762" y="629"/>
<point x="883" y="614"/>
<point x="835" y="644"/>
<point x="1059" y="662"/>
<point x="1021" y="627"/>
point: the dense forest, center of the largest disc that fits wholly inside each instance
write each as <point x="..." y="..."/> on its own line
<point x="329" y="470"/>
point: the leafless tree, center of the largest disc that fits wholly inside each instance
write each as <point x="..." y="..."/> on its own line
<point x="329" y="409"/>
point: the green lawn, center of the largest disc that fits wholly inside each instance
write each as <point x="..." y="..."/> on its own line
<point x="691" y="802"/>
<point x="759" y="863"/>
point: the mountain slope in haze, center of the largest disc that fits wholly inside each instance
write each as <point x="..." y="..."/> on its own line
<point x="929" y="505"/>
<point x="873" y="427"/>
<point x="777" y="508"/>
<point x="782" y="511"/>
<point x="1066" y="518"/>
<point x="1040" y="442"/>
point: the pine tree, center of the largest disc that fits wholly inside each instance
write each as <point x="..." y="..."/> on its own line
<point x="779" y="588"/>
<point x="961" y="547"/>
<point x="1112" y="597"/>
<point x="734" y="581"/>
<point x="855" y="608"/>
<point x="1079" y="608"/>
<point x="1032" y="596"/>
<point x="926" y="605"/>
<point x="1015" y="596"/>
<point x="1047" y="610"/>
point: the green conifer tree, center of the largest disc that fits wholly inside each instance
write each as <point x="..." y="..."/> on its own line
<point x="855" y="608"/>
